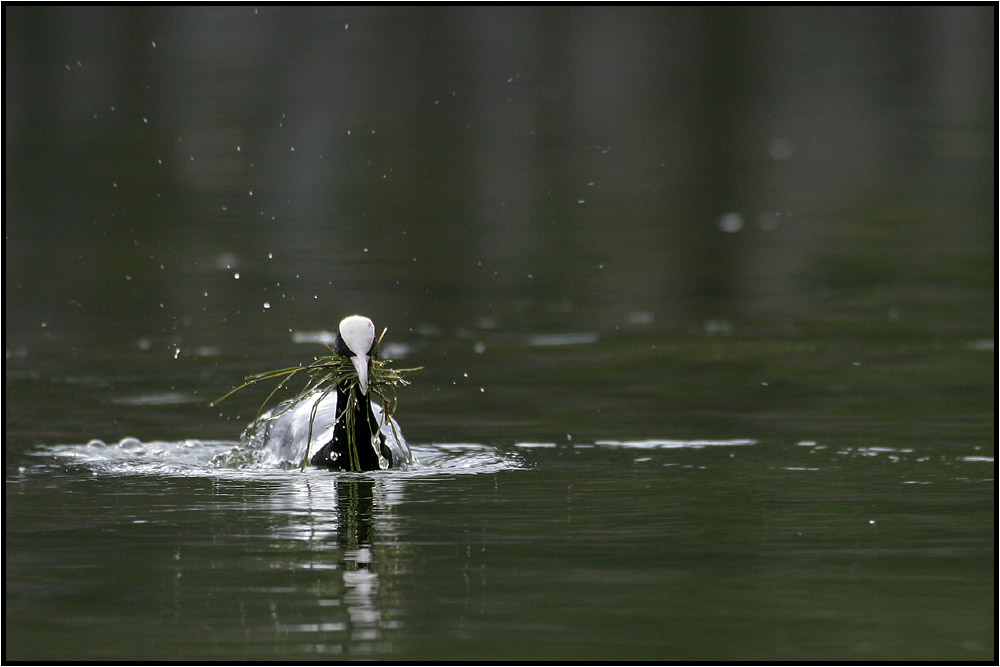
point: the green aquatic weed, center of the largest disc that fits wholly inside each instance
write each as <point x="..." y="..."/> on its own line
<point x="325" y="374"/>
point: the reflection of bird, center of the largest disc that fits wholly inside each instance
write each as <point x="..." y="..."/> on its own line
<point x="355" y="507"/>
<point x="317" y="425"/>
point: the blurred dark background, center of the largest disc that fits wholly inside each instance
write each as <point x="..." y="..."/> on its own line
<point x="520" y="167"/>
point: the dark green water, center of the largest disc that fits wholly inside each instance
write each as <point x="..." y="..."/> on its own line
<point x="704" y="299"/>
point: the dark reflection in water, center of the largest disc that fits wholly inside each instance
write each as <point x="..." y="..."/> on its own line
<point x="357" y="519"/>
<point x="186" y="173"/>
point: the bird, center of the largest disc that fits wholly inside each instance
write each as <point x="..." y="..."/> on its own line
<point x="322" y="425"/>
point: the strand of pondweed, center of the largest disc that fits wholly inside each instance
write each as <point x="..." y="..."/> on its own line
<point x="352" y="445"/>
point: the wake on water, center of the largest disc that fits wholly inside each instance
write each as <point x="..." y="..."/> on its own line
<point x="251" y="457"/>
<point x="242" y="459"/>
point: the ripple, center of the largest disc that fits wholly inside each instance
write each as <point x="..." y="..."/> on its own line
<point x="544" y="340"/>
<point x="675" y="444"/>
<point x="460" y="458"/>
<point x="166" y="398"/>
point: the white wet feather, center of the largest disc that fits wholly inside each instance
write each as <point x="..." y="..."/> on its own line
<point x="284" y="431"/>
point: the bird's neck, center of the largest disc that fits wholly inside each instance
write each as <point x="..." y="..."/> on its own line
<point x="365" y="427"/>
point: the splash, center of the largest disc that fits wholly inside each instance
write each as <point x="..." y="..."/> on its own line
<point x="221" y="458"/>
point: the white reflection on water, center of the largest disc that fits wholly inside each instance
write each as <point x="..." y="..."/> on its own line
<point x="166" y="398"/>
<point x="675" y="444"/>
<point x="978" y="459"/>
<point x="585" y="338"/>
<point x="353" y="512"/>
